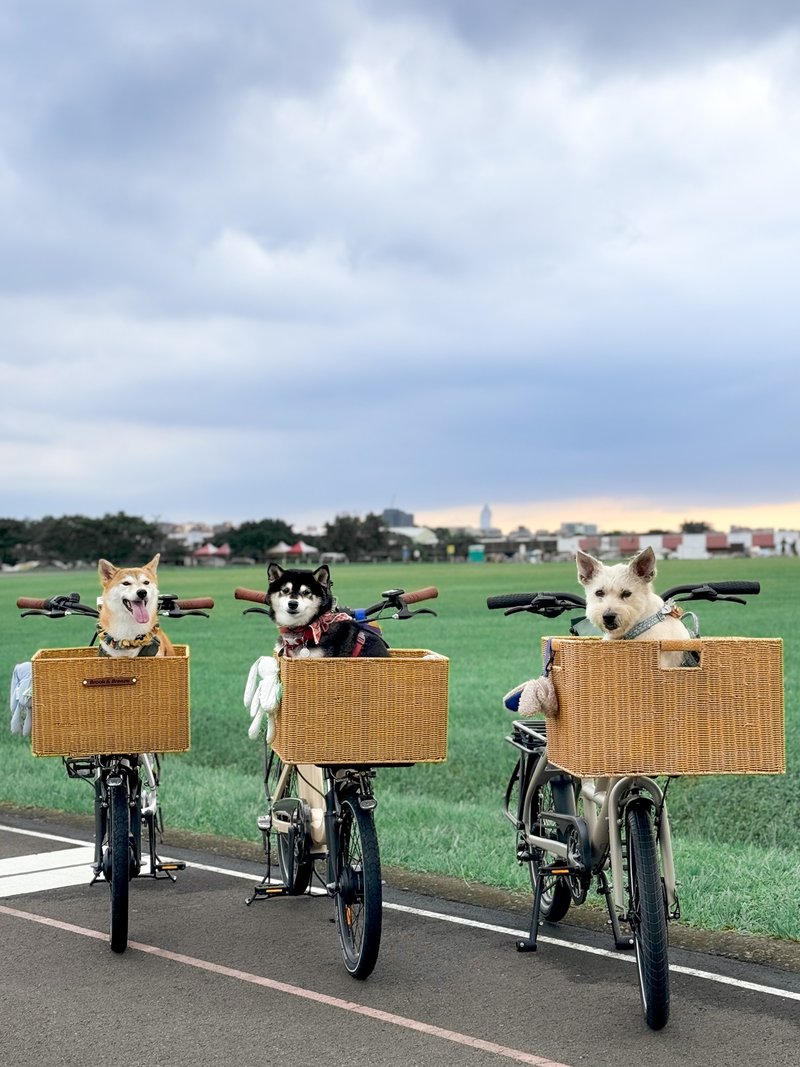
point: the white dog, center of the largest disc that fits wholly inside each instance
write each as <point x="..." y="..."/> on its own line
<point x="621" y="602"/>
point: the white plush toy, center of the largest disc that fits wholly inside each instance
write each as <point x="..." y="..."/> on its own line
<point x="262" y="695"/>
<point x="534" y="698"/>
<point x="21" y="699"/>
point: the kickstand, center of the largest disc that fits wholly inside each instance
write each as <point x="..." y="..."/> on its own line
<point x="621" y="942"/>
<point x="528" y="944"/>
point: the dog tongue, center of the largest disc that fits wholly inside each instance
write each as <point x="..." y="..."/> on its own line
<point x="140" y="611"/>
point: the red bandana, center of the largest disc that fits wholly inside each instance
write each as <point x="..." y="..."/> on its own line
<point x="296" y="639"/>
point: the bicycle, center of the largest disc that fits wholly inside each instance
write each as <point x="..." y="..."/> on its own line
<point x="613" y="830"/>
<point x="126" y="784"/>
<point x="323" y="813"/>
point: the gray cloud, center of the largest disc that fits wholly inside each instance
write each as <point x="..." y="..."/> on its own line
<point x="324" y="259"/>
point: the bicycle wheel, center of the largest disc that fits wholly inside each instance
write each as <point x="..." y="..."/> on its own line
<point x="556" y="893"/>
<point x="647" y="915"/>
<point x="296" y="866"/>
<point x="119" y="857"/>
<point x="358" y="897"/>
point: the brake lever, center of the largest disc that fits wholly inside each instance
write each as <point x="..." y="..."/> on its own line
<point x="181" y="614"/>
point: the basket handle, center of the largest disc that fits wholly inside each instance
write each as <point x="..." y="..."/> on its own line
<point x="92" y="682"/>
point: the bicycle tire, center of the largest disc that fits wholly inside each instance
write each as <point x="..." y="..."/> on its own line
<point x="647" y="915"/>
<point x="119" y="855"/>
<point x="556" y="893"/>
<point x="294" y="862"/>
<point x="358" y="896"/>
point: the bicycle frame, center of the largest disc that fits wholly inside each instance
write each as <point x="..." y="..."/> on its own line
<point x="604" y="803"/>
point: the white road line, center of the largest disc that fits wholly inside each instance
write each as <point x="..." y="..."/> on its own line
<point x="459" y="920"/>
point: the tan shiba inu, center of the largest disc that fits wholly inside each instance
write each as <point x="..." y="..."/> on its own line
<point x="128" y="621"/>
<point x="621" y="602"/>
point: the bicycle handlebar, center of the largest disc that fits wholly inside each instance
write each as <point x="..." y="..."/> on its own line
<point x="713" y="590"/>
<point x="553" y="604"/>
<point x="70" y="604"/>
<point x="396" y="597"/>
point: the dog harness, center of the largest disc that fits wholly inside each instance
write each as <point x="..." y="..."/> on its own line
<point x="669" y="608"/>
<point x="148" y="644"/>
<point x="293" y="641"/>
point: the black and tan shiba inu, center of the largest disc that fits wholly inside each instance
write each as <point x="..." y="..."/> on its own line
<point x="301" y="604"/>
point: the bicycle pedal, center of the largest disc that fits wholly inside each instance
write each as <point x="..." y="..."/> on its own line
<point x="264" y="823"/>
<point x="170" y="865"/>
<point x="263" y="891"/>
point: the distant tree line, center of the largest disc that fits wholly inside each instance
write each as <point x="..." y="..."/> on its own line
<point x="126" y="538"/>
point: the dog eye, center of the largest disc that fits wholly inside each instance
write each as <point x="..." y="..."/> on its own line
<point x="625" y="594"/>
<point x="600" y="593"/>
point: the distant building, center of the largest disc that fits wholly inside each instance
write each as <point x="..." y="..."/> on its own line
<point x="395" y="517"/>
<point x="578" y="529"/>
<point x="486" y="518"/>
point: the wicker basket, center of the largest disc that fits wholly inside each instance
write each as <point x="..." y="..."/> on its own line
<point x="85" y="704"/>
<point x="363" y="711"/>
<point x="621" y="712"/>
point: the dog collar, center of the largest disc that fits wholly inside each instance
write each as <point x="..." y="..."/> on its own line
<point x="667" y="609"/>
<point x="142" y="641"/>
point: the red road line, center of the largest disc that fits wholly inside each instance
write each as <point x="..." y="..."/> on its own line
<point x="297" y="991"/>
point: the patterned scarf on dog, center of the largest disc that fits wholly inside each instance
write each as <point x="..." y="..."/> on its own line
<point x="294" y="640"/>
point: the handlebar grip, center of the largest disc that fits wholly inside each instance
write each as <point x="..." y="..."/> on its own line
<point x="428" y="593"/>
<point x="737" y="588"/>
<point x="257" y="596"/>
<point x="196" y="603"/>
<point x="31" y="603"/>
<point x="509" y="600"/>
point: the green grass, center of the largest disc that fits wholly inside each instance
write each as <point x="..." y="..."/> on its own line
<point x="737" y="851"/>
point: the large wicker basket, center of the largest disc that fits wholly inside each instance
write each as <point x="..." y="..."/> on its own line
<point x="364" y="711"/>
<point x="85" y="704"/>
<point x="621" y="712"/>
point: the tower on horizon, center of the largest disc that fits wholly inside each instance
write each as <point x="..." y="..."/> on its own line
<point x="486" y="517"/>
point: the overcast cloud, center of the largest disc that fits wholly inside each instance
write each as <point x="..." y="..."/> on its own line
<point x="262" y="260"/>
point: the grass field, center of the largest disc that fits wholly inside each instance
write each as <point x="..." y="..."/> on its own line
<point x="736" y="839"/>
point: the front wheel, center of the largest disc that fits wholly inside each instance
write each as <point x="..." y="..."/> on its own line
<point x="648" y="915"/>
<point x="358" y="897"/>
<point x="119" y="855"/>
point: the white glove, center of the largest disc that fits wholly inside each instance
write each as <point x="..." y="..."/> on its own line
<point x="21" y="699"/>
<point x="262" y="695"/>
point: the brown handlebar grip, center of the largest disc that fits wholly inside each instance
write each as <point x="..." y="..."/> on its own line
<point x="256" y="595"/>
<point x="430" y="593"/>
<point x="196" y="603"/>
<point x="29" y="602"/>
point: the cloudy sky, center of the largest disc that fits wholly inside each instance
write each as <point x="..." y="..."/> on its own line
<point x="273" y="260"/>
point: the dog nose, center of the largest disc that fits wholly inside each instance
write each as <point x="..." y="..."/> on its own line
<point x="292" y="605"/>
<point x="610" y="621"/>
<point x="141" y="594"/>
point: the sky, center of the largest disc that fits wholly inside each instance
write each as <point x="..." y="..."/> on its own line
<point x="263" y="260"/>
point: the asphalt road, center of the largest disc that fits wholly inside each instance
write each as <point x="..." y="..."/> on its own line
<point x="207" y="980"/>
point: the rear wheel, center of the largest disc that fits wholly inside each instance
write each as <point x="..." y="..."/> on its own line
<point x="293" y="845"/>
<point x="358" y="897"/>
<point x="648" y="915"/>
<point x="119" y="856"/>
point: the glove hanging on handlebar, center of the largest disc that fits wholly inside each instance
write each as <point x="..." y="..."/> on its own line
<point x="21" y="699"/>
<point x="262" y="695"/>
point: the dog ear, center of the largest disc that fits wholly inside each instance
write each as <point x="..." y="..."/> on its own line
<point x="323" y="576"/>
<point x="643" y="565"/>
<point x="274" y="571"/>
<point x="587" y="567"/>
<point x="153" y="564"/>
<point x="105" y="570"/>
